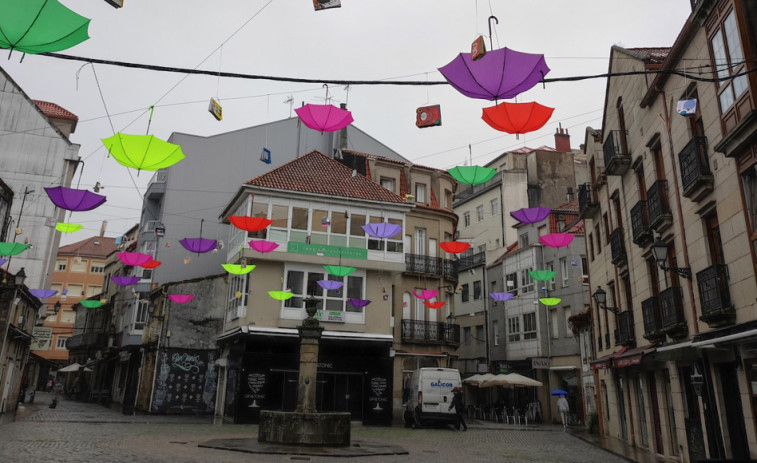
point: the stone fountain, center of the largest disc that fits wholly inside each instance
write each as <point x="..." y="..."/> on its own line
<point x="305" y="425"/>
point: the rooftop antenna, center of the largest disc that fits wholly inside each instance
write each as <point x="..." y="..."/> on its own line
<point x="290" y="102"/>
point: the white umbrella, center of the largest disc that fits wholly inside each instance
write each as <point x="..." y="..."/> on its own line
<point x="478" y="380"/>
<point x="514" y="379"/>
<point x="73" y="367"/>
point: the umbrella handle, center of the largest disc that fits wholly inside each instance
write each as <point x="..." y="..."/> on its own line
<point x="149" y="121"/>
<point x="491" y="44"/>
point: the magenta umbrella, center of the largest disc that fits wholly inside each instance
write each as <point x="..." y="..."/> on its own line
<point x="263" y="246"/>
<point x="426" y="294"/>
<point x="134" y="259"/>
<point x="124" y="280"/>
<point x="181" y="298"/>
<point x="74" y="200"/>
<point x="499" y="75"/>
<point x="556" y="240"/>
<point x="324" y="117"/>
<point x="531" y="215"/>
<point x="382" y="229"/>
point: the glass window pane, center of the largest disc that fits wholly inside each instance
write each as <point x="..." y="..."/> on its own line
<point x="718" y="53"/>
<point x="279" y="215"/>
<point x="335" y="304"/>
<point x="338" y="223"/>
<point x="313" y="288"/>
<point x="260" y="210"/>
<point x="733" y="40"/>
<point x="294" y="282"/>
<point x="739" y="85"/>
<point x="398" y="236"/>
<point x="726" y="98"/>
<point x="299" y="218"/>
<point x="356" y="222"/>
<point x="355" y="287"/>
<point x="335" y="292"/>
<point x="317" y="221"/>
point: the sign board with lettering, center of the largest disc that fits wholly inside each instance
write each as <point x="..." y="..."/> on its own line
<point x="185" y="381"/>
<point x="541" y="363"/>
<point x="326" y="251"/>
<point x="42" y="337"/>
<point x="336" y="316"/>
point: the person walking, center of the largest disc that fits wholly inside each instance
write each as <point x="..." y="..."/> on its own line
<point x="564" y="409"/>
<point x="457" y="402"/>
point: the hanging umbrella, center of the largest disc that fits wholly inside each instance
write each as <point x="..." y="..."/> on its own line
<point x="542" y="275"/>
<point x="124" y="280"/>
<point x="74" y="367"/>
<point x="68" y="227"/>
<point x="199" y="245"/>
<point x="12" y="249"/>
<point x="531" y="215"/>
<point x="556" y="240"/>
<point x="91" y="304"/>
<point x="330" y="284"/>
<point x="382" y="229"/>
<point x="339" y="270"/>
<point x="133" y="259"/>
<point x="358" y="302"/>
<point x="454" y="247"/>
<point x="550" y="301"/>
<point x="517" y="118"/>
<point x="43" y="293"/>
<point x="152" y="264"/>
<point x="426" y="294"/>
<point x="434" y="305"/>
<point x="501" y="297"/>
<point x="324" y="117"/>
<point x="251" y="224"/>
<point x="472" y="175"/>
<point x="498" y="75"/>
<point x="38" y="26"/>
<point x="3" y="261"/>
<point x="143" y="152"/>
<point x="281" y="295"/>
<point x="181" y="298"/>
<point x="559" y="392"/>
<point x="238" y="269"/>
<point x="74" y="200"/>
<point x="263" y="246"/>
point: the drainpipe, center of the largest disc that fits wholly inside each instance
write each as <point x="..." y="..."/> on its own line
<point x="677" y="195"/>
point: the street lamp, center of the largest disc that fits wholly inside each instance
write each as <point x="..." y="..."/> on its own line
<point x="20" y="277"/>
<point x="600" y="297"/>
<point x="660" y="252"/>
<point x="56" y="307"/>
<point x="697" y="381"/>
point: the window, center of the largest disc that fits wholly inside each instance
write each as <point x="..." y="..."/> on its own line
<point x="749" y="180"/>
<point x="467" y="335"/>
<point x="447" y="199"/>
<point x="584" y="271"/>
<point x="466" y="219"/>
<point x="75" y="290"/>
<point x="511" y="282"/>
<point x="464" y="293"/>
<point x="529" y="325"/>
<point x="236" y="305"/>
<point x="523" y="240"/>
<point x="564" y="271"/>
<point x="566" y="314"/>
<point x="78" y="264"/>
<point x="526" y="282"/>
<point x="477" y="289"/>
<point x="493" y="290"/>
<point x="551" y="267"/>
<point x="97" y="267"/>
<point x="387" y="183"/>
<point x="279" y="215"/>
<point x="356" y="225"/>
<point x="543" y="230"/>
<point x="480" y="213"/>
<point x="607" y="229"/>
<point x="495" y="332"/>
<point x="495" y="206"/>
<point x="303" y="283"/>
<point x="480" y="333"/>
<point x="554" y="324"/>
<point x="481" y="248"/>
<point x="94" y="290"/>
<point x="513" y="329"/>
<point x="591" y="246"/>
<point x="299" y="218"/>
<point x="60" y="265"/>
<point x="420" y="192"/>
<point x="57" y="287"/>
<point x="140" y="316"/>
<point x="728" y="58"/>
<point x="598" y="237"/>
<point x="560" y="222"/>
<point x="61" y="343"/>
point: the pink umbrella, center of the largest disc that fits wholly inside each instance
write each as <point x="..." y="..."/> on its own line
<point x="124" y="281"/>
<point x="134" y="258"/>
<point x="531" y="215"/>
<point x="556" y="240"/>
<point x="324" y="117"/>
<point x="426" y="294"/>
<point x="181" y="298"/>
<point x="263" y="245"/>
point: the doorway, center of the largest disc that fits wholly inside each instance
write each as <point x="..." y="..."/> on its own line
<point x="341" y="392"/>
<point x="733" y="411"/>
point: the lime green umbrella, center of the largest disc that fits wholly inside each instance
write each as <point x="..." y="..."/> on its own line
<point x="143" y="152"/>
<point x="281" y="295"/>
<point x="542" y="275"/>
<point x="550" y="300"/>
<point x="238" y="269"/>
<point x="68" y="227"/>
<point x="38" y="26"/>
<point x="11" y="249"/>
<point x="91" y="304"/>
<point x="472" y="175"/>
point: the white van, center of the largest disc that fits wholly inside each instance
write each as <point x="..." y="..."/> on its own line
<point x="431" y="396"/>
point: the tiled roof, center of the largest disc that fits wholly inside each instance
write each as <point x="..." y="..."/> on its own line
<point x="571" y="207"/>
<point x="577" y="228"/>
<point x="97" y="246"/>
<point x="319" y="174"/>
<point x="656" y="53"/>
<point x="53" y="110"/>
<point x="394" y="161"/>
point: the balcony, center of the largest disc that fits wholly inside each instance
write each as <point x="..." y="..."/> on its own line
<point x="587" y="201"/>
<point x="425" y="265"/>
<point x="617" y="159"/>
<point x="696" y="176"/>
<point x="650" y="310"/>
<point x="715" y="297"/>
<point x="157" y="186"/>
<point x="625" y="329"/>
<point x="618" y="247"/>
<point x="642" y="232"/>
<point x="658" y="207"/>
<point x="430" y="332"/>
<point x="475" y="260"/>
<point x="86" y="340"/>
<point x="671" y="312"/>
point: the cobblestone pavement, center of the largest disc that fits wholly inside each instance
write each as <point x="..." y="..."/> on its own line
<point x="76" y="432"/>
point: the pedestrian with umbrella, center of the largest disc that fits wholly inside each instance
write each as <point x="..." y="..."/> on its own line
<point x="563" y="408"/>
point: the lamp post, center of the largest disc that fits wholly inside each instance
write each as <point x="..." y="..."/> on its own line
<point x="660" y="252"/>
<point x="600" y="297"/>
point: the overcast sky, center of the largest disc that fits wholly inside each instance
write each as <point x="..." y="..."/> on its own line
<point x="363" y="40"/>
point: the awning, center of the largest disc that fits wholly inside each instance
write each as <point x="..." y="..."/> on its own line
<point x="604" y="362"/>
<point x="293" y="333"/>
<point x="632" y="356"/>
<point x="18" y="333"/>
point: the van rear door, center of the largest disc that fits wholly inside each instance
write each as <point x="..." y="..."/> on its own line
<point x="437" y="390"/>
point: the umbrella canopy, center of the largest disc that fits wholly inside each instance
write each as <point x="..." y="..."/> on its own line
<point x="281" y="295"/>
<point x="324" y="117"/>
<point x="73" y="367"/>
<point x="12" y="249"/>
<point x="382" y="229"/>
<point x="43" y="293"/>
<point x="339" y="270"/>
<point x="238" y="269"/>
<point x="434" y="305"/>
<point x="498" y="75"/>
<point x="133" y="259"/>
<point x="517" y="118"/>
<point x="501" y="297"/>
<point x="511" y="379"/>
<point x="531" y="215"/>
<point x="199" y="245"/>
<point x="38" y="26"/>
<point x="559" y="392"/>
<point x="68" y="227"/>
<point x="550" y="301"/>
<point x="91" y="304"/>
<point x="124" y="280"/>
<point x="556" y="240"/>
<point x="454" y="247"/>
<point x="472" y="175"/>
<point x="74" y="200"/>
<point x="358" y="302"/>
<point x="542" y="275"/>
<point x="181" y="298"/>
<point x="152" y="264"/>
<point x="330" y="284"/>
<point x="426" y="294"/>
<point x="477" y="380"/>
<point x="143" y="152"/>
<point x="251" y="224"/>
<point x="263" y="246"/>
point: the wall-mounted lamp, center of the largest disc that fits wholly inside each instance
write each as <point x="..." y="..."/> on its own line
<point x="697" y="381"/>
<point x="660" y="252"/>
<point x="56" y="307"/>
<point x="600" y="297"/>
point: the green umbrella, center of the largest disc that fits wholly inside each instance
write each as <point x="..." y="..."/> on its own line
<point x="472" y="175"/>
<point x="339" y="270"/>
<point x="143" y="152"/>
<point x="238" y="269"/>
<point x="542" y="275"/>
<point x="91" y="304"/>
<point x="550" y="300"/>
<point x="38" y="26"/>
<point x="11" y="249"/>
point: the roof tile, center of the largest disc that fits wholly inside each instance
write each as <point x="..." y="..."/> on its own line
<point x="53" y="110"/>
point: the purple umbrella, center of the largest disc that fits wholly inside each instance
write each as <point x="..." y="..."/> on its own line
<point x="43" y="293"/>
<point x="359" y="302"/>
<point x="499" y="75"/>
<point x="382" y="229"/>
<point x="330" y="284"/>
<point x="532" y="215"/>
<point x="74" y="200"/>
<point x="199" y="245"/>
<point x="3" y="261"/>
<point x="124" y="281"/>
<point x="501" y="297"/>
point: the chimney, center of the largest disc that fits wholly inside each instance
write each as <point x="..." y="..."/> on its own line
<point x="103" y="227"/>
<point x="562" y="140"/>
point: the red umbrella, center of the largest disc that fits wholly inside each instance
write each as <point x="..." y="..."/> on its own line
<point x="517" y="118"/>
<point x="252" y="224"/>
<point x="434" y="305"/>
<point x="152" y="264"/>
<point x="454" y="247"/>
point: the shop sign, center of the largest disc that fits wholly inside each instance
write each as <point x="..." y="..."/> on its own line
<point x="541" y="363"/>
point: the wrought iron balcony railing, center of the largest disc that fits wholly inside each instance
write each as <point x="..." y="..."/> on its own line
<point x="658" y="205"/>
<point x="617" y="247"/>
<point x="650" y="310"/>
<point x="642" y="232"/>
<point x="431" y="332"/>
<point x="696" y="177"/>
<point x="617" y="159"/>
<point x="587" y="200"/>
<point x="714" y="296"/>
<point x="625" y="329"/>
<point x="415" y="263"/>
<point x="466" y="262"/>
<point x="87" y="340"/>
<point x="671" y="311"/>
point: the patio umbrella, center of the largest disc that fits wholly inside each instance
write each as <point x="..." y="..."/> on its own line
<point x="499" y="75"/>
<point x="514" y="379"/>
<point x="68" y="227"/>
<point x="454" y="247"/>
<point x="72" y="368"/>
<point x="38" y="26"/>
<point x="251" y="224"/>
<point x="382" y="229"/>
<point x="324" y="117"/>
<point x="478" y="380"/>
<point x="142" y="152"/>
<point x="517" y="118"/>
<point x="12" y="249"/>
<point x="559" y="392"/>
<point x="74" y="200"/>
<point x="472" y="175"/>
<point x="556" y="240"/>
<point x="531" y="215"/>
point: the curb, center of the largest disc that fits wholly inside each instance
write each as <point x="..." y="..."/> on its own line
<point x="582" y="437"/>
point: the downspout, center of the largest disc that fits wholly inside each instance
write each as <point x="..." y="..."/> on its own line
<point x="677" y="195"/>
